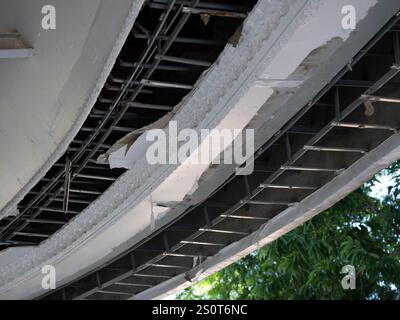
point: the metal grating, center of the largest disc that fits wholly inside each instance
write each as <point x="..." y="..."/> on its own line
<point x="168" y="49"/>
<point x="350" y="117"/>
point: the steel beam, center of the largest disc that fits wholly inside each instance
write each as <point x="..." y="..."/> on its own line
<point x="30" y="234"/>
<point x="183" y="60"/>
<point x="215" y="13"/>
<point x="334" y="149"/>
<point x="363" y="126"/>
<point x="290" y="187"/>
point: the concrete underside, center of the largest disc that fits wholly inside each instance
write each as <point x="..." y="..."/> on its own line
<point x="45" y="98"/>
<point x="131" y="218"/>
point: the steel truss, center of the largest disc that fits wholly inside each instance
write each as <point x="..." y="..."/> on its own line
<point x="140" y="89"/>
<point x="336" y="128"/>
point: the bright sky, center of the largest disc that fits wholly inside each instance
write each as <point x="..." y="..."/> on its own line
<point x="380" y="189"/>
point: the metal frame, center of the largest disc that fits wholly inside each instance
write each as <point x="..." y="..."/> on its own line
<point x="76" y="179"/>
<point x="203" y="230"/>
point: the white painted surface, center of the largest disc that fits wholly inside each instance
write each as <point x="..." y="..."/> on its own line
<point x="43" y="97"/>
<point x="123" y="214"/>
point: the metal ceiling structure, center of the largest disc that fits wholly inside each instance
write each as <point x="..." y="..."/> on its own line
<point x="171" y="44"/>
<point x="351" y="116"/>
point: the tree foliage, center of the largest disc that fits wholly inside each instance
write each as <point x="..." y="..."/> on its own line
<point x="306" y="263"/>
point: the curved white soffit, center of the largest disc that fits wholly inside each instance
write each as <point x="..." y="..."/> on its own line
<point x="70" y="88"/>
<point x="229" y="92"/>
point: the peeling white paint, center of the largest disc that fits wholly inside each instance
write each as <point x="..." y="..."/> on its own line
<point x="326" y="24"/>
<point x="11" y="213"/>
<point x="46" y="142"/>
<point x="125" y="209"/>
<point x="276" y="75"/>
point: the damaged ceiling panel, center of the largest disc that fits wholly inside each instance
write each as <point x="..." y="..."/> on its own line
<point x="113" y="233"/>
<point x="331" y="135"/>
<point x="168" y="49"/>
